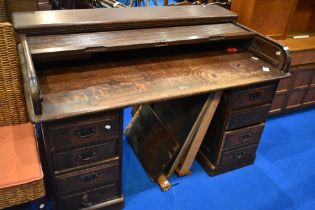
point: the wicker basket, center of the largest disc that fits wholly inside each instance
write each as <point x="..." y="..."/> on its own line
<point x="22" y="193"/>
<point x="13" y="112"/>
<point x="12" y="103"/>
<point x="3" y="14"/>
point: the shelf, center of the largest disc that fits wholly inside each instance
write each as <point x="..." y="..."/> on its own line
<point x="85" y="43"/>
<point x="299" y="44"/>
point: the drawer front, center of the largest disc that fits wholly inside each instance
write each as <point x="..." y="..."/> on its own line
<point x="82" y="134"/>
<point x="243" y="136"/>
<point x="84" y="156"/>
<point x="303" y="78"/>
<point x="310" y="96"/>
<point x="89" y="198"/>
<point x="295" y="98"/>
<point x="88" y="179"/>
<point x="246" y="117"/>
<point x="284" y="84"/>
<point x="237" y="156"/>
<point x="250" y="97"/>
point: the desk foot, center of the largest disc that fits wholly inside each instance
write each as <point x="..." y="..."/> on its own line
<point x="165" y="185"/>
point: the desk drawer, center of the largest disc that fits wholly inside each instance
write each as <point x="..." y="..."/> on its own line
<point x="88" y="179"/>
<point x="252" y="96"/>
<point x="89" y="198"/>
<point x="237" y="156"/>
<point x="85" y="156"/>
<point x="243" y="136"/>
<point x="246" y="117"/>
<point x="70" y="136"/>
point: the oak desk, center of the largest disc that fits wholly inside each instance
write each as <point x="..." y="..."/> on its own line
<point x="82" y="67"/>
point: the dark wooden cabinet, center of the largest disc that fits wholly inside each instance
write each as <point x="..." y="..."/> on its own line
<point x="297" y="92"/>
<point x="233" y="135"/>
<point x="84" y="160"/>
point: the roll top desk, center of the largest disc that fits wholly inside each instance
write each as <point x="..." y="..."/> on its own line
<point x="192" y="70"/>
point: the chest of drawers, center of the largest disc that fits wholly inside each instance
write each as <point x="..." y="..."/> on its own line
<point x="83" y="161"/>
<point x="233" y="135"/>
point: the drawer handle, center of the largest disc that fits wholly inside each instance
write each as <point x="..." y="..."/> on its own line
<point x="86" y="132"/>
<point x="239" y="155"/>
<point x="107" y="127"/>
<point x="88" y="178"/>
<point x="87" y="156"/>
<point x="245" y="137"/>
<point x="85" y="201"/>
<point x="254" y="96"/>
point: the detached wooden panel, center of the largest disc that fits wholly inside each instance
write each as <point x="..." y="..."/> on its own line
<point x="153" y="144"/>
<point x="158" y="132"/>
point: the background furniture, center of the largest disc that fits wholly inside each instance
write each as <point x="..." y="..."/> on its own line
<point x="3" y="13"/>
<point x="21" y="178"/>
<point x="285" y="20"/>
<point x="19" y="6"/>
<point x="298" y="91"/>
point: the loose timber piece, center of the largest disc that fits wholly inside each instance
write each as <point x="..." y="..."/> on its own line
<point x="173" y="114"/>
<point x="154" y="147"/>
<point x="204" y="121"/>
<point x="164" y="183"/>
<point x="157" y="132"/>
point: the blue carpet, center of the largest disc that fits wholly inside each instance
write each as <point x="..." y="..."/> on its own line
<point x="283" y="176"/>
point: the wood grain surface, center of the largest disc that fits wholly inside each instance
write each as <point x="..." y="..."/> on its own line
<point x="115" y="80"/>
<point x="67" y="21"/>
<point x="50" y="45"/>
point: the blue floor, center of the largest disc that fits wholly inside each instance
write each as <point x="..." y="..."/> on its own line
<point x="283" y="176"/>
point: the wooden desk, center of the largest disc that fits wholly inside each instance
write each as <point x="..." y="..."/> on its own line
<point x="82" y="67"/>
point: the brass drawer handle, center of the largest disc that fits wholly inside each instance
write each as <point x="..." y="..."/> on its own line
<point x="87" y="155"/>
<point x="239" y="155"/>
<point x="85" y="201"/>
<point x="254" y="96"/>
<point x="86" y="132"/>
<point x="245" y="137"/>
<point x="89" y="177"/>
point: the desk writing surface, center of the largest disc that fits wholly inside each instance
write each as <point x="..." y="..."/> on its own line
<point x="122" y="79"/>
